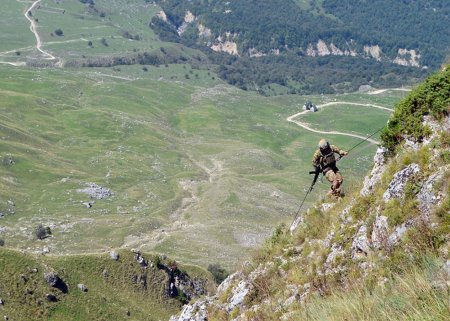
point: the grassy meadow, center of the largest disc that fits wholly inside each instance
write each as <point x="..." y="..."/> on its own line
<point x="198" y="170"/>
<point x="189" y="161"/>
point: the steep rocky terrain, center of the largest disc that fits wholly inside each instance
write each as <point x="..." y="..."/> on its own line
<point x="381" y="253"/>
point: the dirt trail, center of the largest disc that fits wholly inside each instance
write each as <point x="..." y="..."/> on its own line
<point x="15" y="64"/>
<point x="33" y="29"/>
<point x="380" y="91"/>
<point x="306" y="126"/>
<point x="38" y="46"/>
<point x="187" y="203"/>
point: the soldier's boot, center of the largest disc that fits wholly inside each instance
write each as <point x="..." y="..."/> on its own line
<point x="336" y="189"/>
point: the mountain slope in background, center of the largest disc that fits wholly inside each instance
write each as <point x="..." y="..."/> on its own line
<point x="288" y="33"/>
<point x="381" y="30"/>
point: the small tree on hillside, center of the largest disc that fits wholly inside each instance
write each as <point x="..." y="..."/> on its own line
<point x="59" y="32"/>
<point x="218" y="272"/>
<point x="42" y="232"/>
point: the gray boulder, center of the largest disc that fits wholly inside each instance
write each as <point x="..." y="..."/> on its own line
<point x="361" y="245"/>
<point x="396" y="187"/>
<point x="96" y="191"/>
<point x="380" y="232"/>
<point x="82" y="287"/>
<point x="51" y="278"/>
<point x="377" y="172"/>
<point x="427" y="196"/>
<point x="114" y="255"/>
<point x="55" y="281"/>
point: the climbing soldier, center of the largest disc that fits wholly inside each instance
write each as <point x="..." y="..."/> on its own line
<point x="324" y="160"/>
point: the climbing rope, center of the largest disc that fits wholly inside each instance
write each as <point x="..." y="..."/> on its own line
<point x="292" y="227"/>
<point x="293" y="224"/>
<point x="362" y="142"/>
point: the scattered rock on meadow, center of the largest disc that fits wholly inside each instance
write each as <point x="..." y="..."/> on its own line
<point x="114" y="255"/>
<point x="88" y="204"/>
<point x="34" y="270"/>
<point x="51" y="278"/>
<point x="55" y="281"/>
<point x="427" y="196"/>
<point x="96" y="191"/>
<point x="377" y="172"/>
<point x="82" y="287"/>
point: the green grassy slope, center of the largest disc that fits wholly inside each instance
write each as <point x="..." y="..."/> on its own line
<point x="16" y="39"/>
<point x="112" y="290"/>
<point x="189" y="161"/>
<point x="107" y="33"/>
<point x="107" y="19"/>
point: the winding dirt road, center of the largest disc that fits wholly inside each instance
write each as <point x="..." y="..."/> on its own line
<point x="305" y="125"/>
<point x="33" y="29"/>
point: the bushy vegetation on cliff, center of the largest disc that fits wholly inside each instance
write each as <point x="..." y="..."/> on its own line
<point x="432" y="98"/>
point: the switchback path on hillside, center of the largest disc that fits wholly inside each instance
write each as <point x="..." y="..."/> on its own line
<point x="306" y="126"/>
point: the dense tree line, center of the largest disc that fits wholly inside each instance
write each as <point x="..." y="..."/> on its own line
<point x="263" y="25"/>
<point x="411" y="24"/>
<point x="305" y="75"/>
<point x="159" y="57"/>
<point x="432" y="97"/>
<point x="283" y="25"/>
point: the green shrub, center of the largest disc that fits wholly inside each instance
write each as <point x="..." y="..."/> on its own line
<point x="362" y="207"/>
<point x="315" y="220"/>
<point x="445" y="139"/>
<point x="59" y="32"/>
<point x="445" y="156"/>
<point x="399" y="212"/>
<point x="42" y="232"/>
<point x="431" y="97"/>
<point x="218" y="272"/>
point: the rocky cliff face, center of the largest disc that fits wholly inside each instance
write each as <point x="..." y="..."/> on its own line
<point x="229" y="42"/>
<point x="370" y="240"/>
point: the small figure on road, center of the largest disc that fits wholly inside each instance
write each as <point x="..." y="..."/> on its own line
<point x="324" y="160"/>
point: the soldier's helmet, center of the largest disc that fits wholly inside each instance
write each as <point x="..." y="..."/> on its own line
<point x="323" y="144"/>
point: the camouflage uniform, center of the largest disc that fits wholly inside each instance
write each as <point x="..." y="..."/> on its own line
<point x="330" y="170"/>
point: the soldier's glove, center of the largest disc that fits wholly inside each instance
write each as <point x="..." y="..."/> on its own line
<point x="344" y="153"/>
